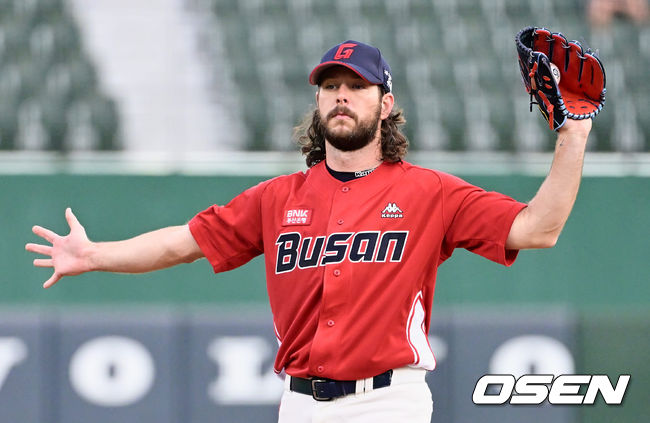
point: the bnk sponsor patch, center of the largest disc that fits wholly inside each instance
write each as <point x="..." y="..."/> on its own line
<point x="294" y="217"/>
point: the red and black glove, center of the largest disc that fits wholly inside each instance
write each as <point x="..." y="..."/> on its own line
<point x="576" y="91"/>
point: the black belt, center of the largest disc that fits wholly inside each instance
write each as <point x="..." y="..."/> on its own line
<point x="328" y="389"/>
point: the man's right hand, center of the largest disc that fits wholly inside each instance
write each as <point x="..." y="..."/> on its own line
<point x="69" y="255"/>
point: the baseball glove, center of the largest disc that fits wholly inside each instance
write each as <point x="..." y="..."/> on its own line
<point x="566" y="80"/>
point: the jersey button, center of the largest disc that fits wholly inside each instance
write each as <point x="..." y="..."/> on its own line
<point x="340" y="221"/>
<point x="337" y="272"/>
<point x="330" y="323"/>
<point x="345" y="189"/>
<point x="320" y="369"/>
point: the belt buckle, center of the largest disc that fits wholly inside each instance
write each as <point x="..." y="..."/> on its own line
<point x="314" y="393"/>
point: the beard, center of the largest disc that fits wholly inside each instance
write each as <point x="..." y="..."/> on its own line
<point x="354" y="139"/>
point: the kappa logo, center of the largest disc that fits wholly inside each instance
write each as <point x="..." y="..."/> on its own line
<point x="392" y="211"/>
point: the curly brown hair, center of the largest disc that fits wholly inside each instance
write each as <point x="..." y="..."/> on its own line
<point x="310" y="135"/>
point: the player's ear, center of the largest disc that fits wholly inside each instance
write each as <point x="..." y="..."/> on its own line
<point x="317" y="91"/>
<point x="387" y="102"/>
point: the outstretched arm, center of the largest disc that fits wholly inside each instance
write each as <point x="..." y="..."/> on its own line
<point x="539" y="225"/>
<point x="75" y="254"/>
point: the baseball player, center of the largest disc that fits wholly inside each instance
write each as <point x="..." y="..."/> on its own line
<point x="352" y="246"/>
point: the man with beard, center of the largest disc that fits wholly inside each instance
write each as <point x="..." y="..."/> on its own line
<point x="351" y="245"/>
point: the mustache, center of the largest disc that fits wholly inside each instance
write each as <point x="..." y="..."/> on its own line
<point x="341" y="110"/>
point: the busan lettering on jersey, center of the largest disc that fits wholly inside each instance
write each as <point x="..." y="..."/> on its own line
<point x="294" y="250"/>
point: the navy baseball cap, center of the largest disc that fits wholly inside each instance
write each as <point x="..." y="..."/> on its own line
<point x="365" y="60"/>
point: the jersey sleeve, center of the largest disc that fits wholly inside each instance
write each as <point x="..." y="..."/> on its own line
<point x="477" y="220"/>
<point x="231" y="235"/>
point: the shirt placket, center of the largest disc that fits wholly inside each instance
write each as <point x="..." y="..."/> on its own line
<point x="335" y="286"/>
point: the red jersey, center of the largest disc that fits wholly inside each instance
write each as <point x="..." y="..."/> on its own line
<point x="351" y="266"/>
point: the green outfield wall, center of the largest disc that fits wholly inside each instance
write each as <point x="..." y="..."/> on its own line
<point x="598" y="272"/>
<point x="600" y="260"/>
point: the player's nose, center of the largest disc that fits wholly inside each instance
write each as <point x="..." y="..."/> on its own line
<point x="342" y="95"/>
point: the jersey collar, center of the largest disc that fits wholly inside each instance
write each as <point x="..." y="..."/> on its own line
<point x="383" y="175"/>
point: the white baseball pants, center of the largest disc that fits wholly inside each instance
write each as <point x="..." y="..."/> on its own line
<point x="407" y="399"/>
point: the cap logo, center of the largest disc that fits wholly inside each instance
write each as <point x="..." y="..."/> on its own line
<point x="389" y="80"/>
<point x="345" y="51"/>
